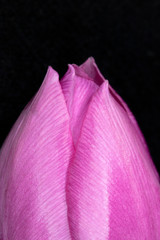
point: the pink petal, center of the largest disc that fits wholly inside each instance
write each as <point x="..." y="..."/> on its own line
<point x="113" y="188"/>
<point x="76" y="166"/>
<point x="88" y="178"/>
<point x="135" y="200"/>
<point x="33" y="165"/>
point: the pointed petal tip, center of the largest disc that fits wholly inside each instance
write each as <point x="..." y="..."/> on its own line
<point x="50" y="78"/>
<point x="90" y="67"/>
<point x="68" y="74"/>
<point x="71" y="68"/>
<point x="89" y="60"/>
<point x="51" y="75"/>
<point x="104" y="88"/>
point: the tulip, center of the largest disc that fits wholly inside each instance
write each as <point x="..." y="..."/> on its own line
<point x="75" y="165"/>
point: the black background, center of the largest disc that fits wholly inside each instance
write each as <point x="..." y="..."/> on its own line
<point x="122" y="36"/>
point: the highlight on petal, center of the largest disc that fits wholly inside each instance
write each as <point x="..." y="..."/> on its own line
<point x="33" y="165"/>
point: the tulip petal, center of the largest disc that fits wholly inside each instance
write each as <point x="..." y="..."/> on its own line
<point x="135" y="198"/>
<point x="88" y="176"/>
<point x="112" y="186"/>
<point x="33" y="166"/>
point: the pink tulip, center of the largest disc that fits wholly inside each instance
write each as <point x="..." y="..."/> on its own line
<point x="76" y="166"/>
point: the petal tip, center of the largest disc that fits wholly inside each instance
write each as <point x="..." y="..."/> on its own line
<point x="51" y="75"/>
<point x="90" y="67"/>
<point x="104" y="88"/>
<point x="71" y="69"/>
<point x="90" y="60"/>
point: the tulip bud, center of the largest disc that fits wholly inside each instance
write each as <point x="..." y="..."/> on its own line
<point x="75" y="165"/>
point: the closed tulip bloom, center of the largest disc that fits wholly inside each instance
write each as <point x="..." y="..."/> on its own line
<point x="75" y="165"/>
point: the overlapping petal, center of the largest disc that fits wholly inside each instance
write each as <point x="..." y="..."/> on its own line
<point x="76" y="165"/>
<point x="113" y="188"/>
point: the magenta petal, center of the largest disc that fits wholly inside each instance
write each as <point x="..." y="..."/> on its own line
<point x="135" y="190"/>
<point x="88" y="176"/>
<point x="113" y="188"/>
<point x="33" y="165"/>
